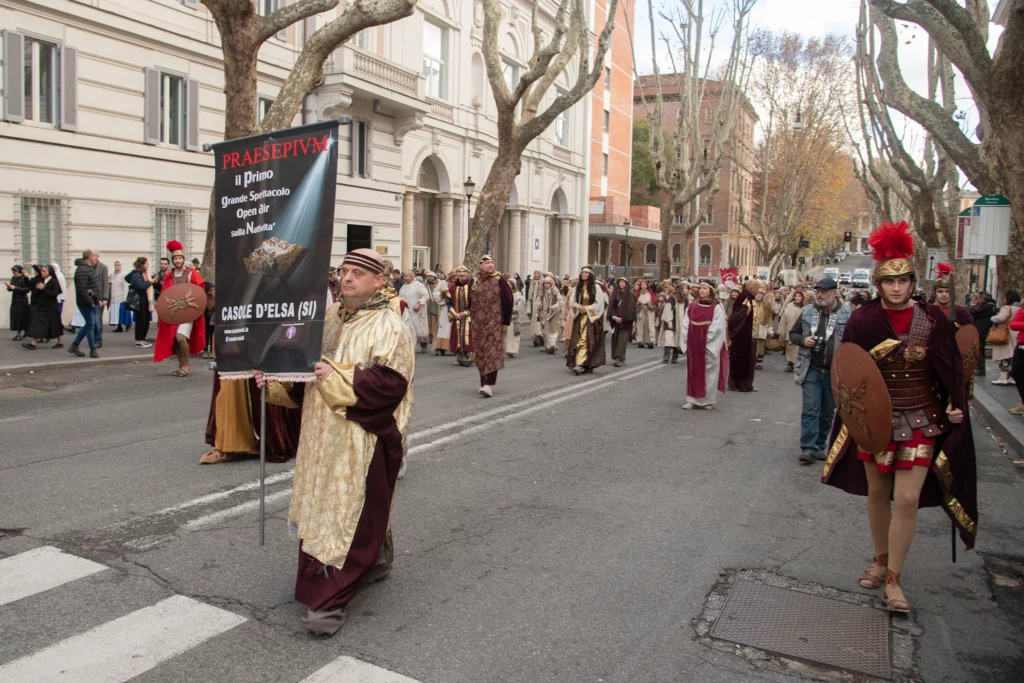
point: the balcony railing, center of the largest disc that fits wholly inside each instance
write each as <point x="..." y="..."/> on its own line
<point x="383" y="72"/>
<point x="441" y="110"/>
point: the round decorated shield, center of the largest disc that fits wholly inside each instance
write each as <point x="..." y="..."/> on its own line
<point x="969" y="342"/>
<point x="181" y="303"/>
<point x="862" y="399"/>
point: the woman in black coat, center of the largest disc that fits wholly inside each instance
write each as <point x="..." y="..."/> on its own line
<point x="18" y="287"/>
<point x="45" y="321"/>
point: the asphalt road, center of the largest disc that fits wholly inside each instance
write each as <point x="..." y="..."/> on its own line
<point x="568" y="529"/>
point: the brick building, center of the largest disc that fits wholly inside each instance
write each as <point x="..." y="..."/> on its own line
<point x="721" y="241"/>
<point x="612" y="221"/>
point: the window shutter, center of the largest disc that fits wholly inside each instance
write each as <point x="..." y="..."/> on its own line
<point x="191" y="4"/>
<point x="14" y="77"/>
<point x="151" y="117"/>
<point x="68" y="88"/>
<point x="283" y="33"/>
<point x="192" y="117"/>
<point x="309" y="29"/>
<point x="369" y="149"/>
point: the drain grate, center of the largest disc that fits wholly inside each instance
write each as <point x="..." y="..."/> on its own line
<point x="813" y="628"/>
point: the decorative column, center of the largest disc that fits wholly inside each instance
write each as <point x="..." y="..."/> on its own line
<point x="514" y="257"/>
<point x="407" y="238"/>
<point x="447" y="247"/>
<point x="563" y="246"/>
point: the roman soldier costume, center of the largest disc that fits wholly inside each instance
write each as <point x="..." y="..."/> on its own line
<point x="180" y="339"/>
<point x="916" y="353"/>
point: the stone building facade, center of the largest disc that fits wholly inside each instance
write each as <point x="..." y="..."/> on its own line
<point x="108" y="103"/>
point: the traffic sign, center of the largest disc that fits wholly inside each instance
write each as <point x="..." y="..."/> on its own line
<point x="935" y="257"/>
<point x="984" y="229"/>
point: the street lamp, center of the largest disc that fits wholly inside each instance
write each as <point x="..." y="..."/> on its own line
<point x="798" y="124"/>
<point x="467" y="188"/>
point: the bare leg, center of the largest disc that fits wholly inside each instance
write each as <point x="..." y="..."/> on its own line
<point x="879" y="515"/>
<point x="906" y="495"/>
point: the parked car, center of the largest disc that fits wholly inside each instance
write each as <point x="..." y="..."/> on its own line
<point x="862" y="278"/>
<point x="846" y="278"/>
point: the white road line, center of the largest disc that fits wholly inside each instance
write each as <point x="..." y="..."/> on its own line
<point x="350" y="670"/>
<point x="546" y="404"/>
<point x="580" y="390"/>
<point x="212" y="497"/>
<point x="476" y="417"/>
<point x="206" y="520"/>
<point x="126" y="647"/>
<point x="40" y="569"/>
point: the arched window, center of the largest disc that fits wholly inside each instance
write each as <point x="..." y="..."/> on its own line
<point x="675" y="254"/>
<point x="650" y="254"/>
<point x="705" y="254"/>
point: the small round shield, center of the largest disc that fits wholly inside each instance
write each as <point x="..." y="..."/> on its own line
<point x="181" y="303"/>
<point x="968" y="341"/>
<point x="862" y="399"/>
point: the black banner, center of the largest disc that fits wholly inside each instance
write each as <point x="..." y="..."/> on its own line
<point x="275" y="224"/>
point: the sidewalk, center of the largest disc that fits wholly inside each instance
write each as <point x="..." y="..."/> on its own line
<point x="117" y="348"/>
<point x="994" y="402"/>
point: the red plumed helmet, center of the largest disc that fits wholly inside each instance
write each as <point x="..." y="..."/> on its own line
<point x="943" y="269"/>
<point x="892" y="241"/>
<point x="174" y="245"/>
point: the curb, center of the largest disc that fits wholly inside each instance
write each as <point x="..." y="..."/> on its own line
<point x="111" y="360"/>
<point x="1006" y="425"/>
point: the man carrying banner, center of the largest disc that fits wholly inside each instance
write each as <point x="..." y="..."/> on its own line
<point x="354" y="421"/>
<point x="491" y="303"/>
<point x="185" y="339"/>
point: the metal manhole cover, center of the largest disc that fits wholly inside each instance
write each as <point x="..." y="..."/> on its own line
<point x="808" y="627"/>
<point x="13" y="392"/>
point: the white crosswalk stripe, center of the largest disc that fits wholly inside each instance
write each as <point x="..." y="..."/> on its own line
<point x="126" y="647"/>
<point x="130" y="645"/>
<point x="349" y="670"/>
<point x="40" y="569"/>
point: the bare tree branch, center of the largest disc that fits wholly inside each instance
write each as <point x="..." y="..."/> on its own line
<point x="285" y="16"/>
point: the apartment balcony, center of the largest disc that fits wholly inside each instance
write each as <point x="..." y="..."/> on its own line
<point x="357" y="73"/>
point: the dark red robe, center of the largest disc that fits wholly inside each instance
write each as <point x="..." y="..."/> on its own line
<point x="490" y="301"/>
<point x="742" y="345"/>
<point x="952" y="478"/>
<point x="379" y="390"/>
<point x="283" y="424"/>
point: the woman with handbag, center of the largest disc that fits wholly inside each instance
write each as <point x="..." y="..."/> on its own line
<point x="137" y="299"/>
<point x="999" y="338"/>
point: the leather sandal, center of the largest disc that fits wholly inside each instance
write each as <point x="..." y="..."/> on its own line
<point x="869" y="580"/>
<point x="898" y="605"/>
<point x="216" y="457"/>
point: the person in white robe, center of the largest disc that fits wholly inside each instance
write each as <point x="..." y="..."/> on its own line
<point x="414" y="294"/>
<point x="549" y="304"/>
<point x="703" y="329"/>
<point x="119" y="315"/>
<point x="444" y="327"/>
<point x="513" y="335"/>
<point x="646" y="308"/>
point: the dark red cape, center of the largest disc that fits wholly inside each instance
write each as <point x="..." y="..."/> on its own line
<point x="952" y="478"/>
<point x="742" y="346"/>
<point x="283" y="424"/>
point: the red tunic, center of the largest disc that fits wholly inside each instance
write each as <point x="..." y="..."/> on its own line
<point x="165" y="333"/>
<point x="900" y="321"/>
